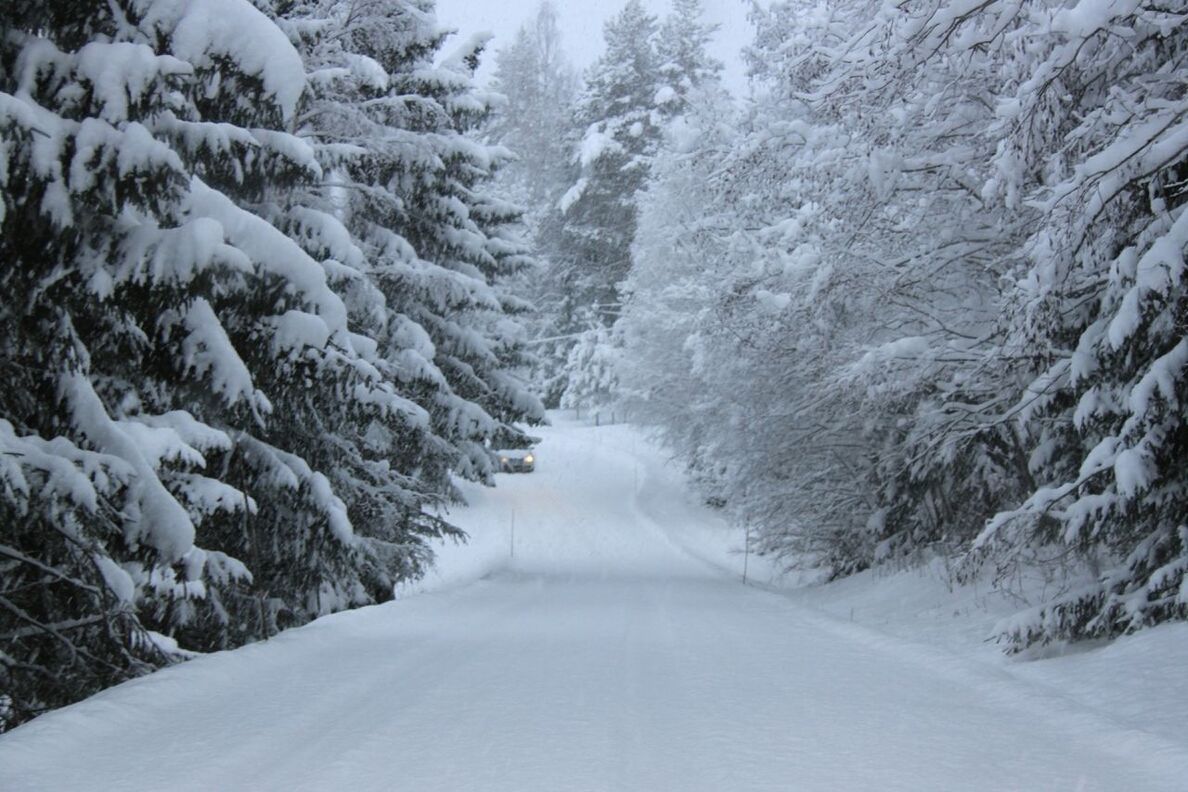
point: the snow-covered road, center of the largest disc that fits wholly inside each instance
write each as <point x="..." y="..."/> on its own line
<point x="605" y="656"/>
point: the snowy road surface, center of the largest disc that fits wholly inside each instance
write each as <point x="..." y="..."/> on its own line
<point x="604" y="657"/>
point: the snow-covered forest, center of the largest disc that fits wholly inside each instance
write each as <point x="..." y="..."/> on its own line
<point x="277" y="278"/>
<point x="255" y="315"/>
<point x="921" y="294"/>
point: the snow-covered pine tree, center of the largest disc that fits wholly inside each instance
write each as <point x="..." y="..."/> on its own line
<point x="1093" y="136"/>
<point x="373" y="409"/>
<point x="593" y="367"/>
<point x="622" y="121"/>
<point x="640" y="83"/>
<point x="347" y="431"/>
<point x="291" y="331"/>
<point x="670" y="376"/>
<point x="535" y="117"/>
<point x="682" y="51"/>
<point x="114" y="251"/>
<point x="182" y="358"/>
<point x="440" y="247"/>
<point x="536" y="122"/>
<point x="678" y="260"/>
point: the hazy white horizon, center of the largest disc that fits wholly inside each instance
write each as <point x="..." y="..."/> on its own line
<point x="581" y="25"/>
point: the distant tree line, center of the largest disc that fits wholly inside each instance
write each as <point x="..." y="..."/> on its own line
<point x="586" y="149"/>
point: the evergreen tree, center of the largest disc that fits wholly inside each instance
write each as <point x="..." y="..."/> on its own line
<point x="594" y="366"/>
<point x="669" y="375"/>
<point x="535" y="122"/>
<point x="1098" y="309"/>
<point x="681" y="47"/>
<point x="639" y="84"/>
<point x="535" y="119"/>
<point x="622" y="128"/>
<point x="253" y="318"/>
<point x="117" y="253"/>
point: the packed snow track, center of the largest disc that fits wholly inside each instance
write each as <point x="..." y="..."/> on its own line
<point x="602" y="656"/>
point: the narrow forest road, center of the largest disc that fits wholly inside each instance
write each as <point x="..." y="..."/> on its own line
<point x="603" y="657"/>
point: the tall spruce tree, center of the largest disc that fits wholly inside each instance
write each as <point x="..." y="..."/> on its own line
<point x="622" y="121"/>
<point x="682" y="49"/>
<point x="249" y="327"/>
<point x="125" y="276"/>
<point x="536" y="123"/>
<point x="639" y="85"/>
<point x="1096" y="146"/>
<point x="535" y="117"/>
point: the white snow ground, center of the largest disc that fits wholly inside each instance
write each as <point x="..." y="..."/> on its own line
<point x="618" y="651"/>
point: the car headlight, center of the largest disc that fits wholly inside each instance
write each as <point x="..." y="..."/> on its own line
<point x="502" y="459"/>
<point x="528" y="458"/>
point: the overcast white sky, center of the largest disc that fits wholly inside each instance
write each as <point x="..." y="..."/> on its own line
<point x="581" y="25"/>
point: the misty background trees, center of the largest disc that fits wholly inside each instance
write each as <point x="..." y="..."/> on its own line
<point x="951" y="318"/>
<point x="919" y="294"/>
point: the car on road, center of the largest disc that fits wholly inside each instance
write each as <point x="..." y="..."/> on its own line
<point x="516" y="460"/>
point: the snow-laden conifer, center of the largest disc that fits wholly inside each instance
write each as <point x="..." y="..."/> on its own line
<point x="640" y="84"/>
<point x="1094" y="138"/>
<point x="119" y="368"/>
<point x="409" y="186"/>
<point x="234" y="392"/>
<point x="535" y="122"/>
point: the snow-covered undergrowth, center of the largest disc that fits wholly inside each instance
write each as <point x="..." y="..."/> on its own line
<point x="1136" y="681"/>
